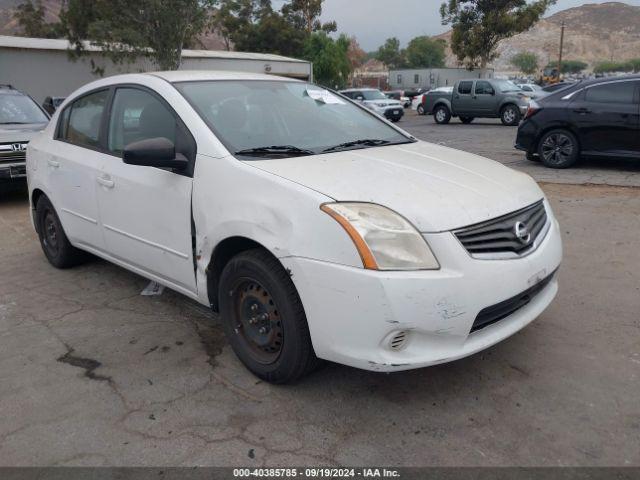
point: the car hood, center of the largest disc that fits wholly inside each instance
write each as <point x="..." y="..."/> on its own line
<point x="435" y="187"/>
<point x="20" y="133"/>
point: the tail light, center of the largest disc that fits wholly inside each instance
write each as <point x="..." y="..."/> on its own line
<point x="534" y="108"/>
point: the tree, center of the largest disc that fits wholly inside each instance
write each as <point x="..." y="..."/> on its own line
<point x="478" y="25"/>
<point x="331" y="65"/>
<point x="125" y="30"/>
<point x="425" y="52"/>
<point x="570" y="66"/>
<point x="526" y="62"/>
<point x="306" y="14"/>
<point x="31" y="18"/>
<point x="390" y="54"/>
<point x="357" y="56"/>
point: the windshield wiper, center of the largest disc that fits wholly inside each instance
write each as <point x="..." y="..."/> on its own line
<point x="367" y="142"/>
<point x="276" y="150"/>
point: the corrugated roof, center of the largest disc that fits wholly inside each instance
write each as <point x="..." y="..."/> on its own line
<point x="55" y="44"/>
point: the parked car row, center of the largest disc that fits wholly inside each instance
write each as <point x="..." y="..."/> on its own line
<point x="377" y="102"/>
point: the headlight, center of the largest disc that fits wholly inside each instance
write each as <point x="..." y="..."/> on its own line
<point x="381" y="105"/>
<point x="384" y="239"/>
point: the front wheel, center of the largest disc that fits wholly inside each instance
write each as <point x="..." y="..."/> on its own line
<point x="558" y="149"/>
<point x="263" y="318"/>
<point x="510" y="116"/>
<point x="442" y="115"/>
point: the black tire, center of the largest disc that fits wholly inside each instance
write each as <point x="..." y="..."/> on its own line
<point x="442" y="115"/>
<point x="54" y="242"/>
<point x="420" y="109"/>
<point x="510" y="115"/>
<point x="467" y="120"/>
<point x="532" y="157"/>
<point x="559" y="149"/>
<point x="257" y="293"/>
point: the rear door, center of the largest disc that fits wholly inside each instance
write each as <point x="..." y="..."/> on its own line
<point x="74" y="166"/>
<point x="146" y="211"/>
<point x="606" y="116"/>
<point x="463" y="102"/>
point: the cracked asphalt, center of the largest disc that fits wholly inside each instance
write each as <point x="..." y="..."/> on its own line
<point x="93" y="373"/>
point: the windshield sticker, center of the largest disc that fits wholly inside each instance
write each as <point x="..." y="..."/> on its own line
<point x="324" y="96"/>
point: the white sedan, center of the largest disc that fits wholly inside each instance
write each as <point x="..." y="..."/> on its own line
<point x="317" y="229"/>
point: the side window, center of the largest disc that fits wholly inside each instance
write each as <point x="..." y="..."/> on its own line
<point x="138" y="115"/>
<point x="416" y="79"/>
<point x="621" y="92"/>
<point x="464" y="88"/>
<point x="484" y="88"/>
<point x="80" y="122"/>
<point x="399" y="79"/>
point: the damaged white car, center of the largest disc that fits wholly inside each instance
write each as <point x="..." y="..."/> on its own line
<point x="317" y="229"/>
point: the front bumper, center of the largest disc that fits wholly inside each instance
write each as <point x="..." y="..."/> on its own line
<point x="12" y="171"/>
<point x="355" y="315"/>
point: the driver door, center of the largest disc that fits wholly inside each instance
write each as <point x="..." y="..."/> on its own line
<point x="146" y="211"/>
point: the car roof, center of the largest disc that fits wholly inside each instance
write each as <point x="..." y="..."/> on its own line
<point x="204" y="75"/>
<point x="360" y="90"/>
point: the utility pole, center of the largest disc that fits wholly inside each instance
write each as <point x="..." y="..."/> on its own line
<point x="561" y="48"/>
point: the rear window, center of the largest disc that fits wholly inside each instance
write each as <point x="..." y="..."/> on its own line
<point x="464" y="88"/>
<point x="620" y="92"/>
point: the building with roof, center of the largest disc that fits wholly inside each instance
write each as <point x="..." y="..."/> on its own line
<point x="42" y="67"/>
<point x="429" y="78"/>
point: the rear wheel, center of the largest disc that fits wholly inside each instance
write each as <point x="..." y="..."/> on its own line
<point x="510" y="115"/>
<point x="467" y="120"/>
<point x="420" y="110"/>
<point x="264" y="319"/>
<point x="442" y="115"/>
<point x="54" y="242"/>
<point x="558" y="149"/>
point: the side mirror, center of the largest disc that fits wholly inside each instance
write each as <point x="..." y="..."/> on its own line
<point x="492" y="93"/>
<point x="360" y="98"/>
<point x="154" y="152"/>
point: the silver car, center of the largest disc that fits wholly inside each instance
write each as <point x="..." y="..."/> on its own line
<point x="377" y="102"/>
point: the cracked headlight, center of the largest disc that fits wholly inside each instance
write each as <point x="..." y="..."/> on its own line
<point x="384" y="239"/>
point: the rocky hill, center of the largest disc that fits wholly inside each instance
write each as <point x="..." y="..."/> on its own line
<point x="594" y="33"/>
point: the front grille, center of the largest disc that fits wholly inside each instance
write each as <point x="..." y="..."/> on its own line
<point x="9" y="153"/>
<point x="511" y="235"/>
<point x="501" y="310"/>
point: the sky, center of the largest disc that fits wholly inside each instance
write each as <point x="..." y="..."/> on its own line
<point x="373" y="21"/>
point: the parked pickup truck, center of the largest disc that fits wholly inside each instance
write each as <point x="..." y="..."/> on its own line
<point x="472" y="99"/>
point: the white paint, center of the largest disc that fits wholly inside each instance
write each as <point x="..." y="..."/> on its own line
<point x="143" y="224"/>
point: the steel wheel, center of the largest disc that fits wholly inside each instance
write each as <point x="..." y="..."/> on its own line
<point x="258" y="321"/>
<point x="50" y="233"/>
<point x="557" y="149"/>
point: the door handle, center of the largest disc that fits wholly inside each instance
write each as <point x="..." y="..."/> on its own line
<point x="53" y="163"/>
<point x="582" y="111"/>
<point x="105" y="182"/>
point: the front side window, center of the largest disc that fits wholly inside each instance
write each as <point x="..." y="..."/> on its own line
<point x="260" y="114"/>
<point x="464" y="88"/>
<point x="138" y="115"/>
<point x="620" y="92"/>
<point x="17" y="109"/>
<point x="484" y="88"/>
<point x="82" y="119"/>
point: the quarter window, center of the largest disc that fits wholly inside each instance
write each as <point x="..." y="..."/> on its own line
<point x="620" y="92"/>
<point x="82" y="119"/>
<point x="138" y="115"/>
<point x="464" y="88"/>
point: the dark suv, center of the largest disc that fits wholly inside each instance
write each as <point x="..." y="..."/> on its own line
<point x="598" y="118"/>
<point x="20" y="119"/>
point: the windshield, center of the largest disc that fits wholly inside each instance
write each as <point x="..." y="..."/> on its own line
<point x="279" y="118"/>
<point x="507" y="86"/>
<point x="373" y="95"/>
<point x="18" y="109"/>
